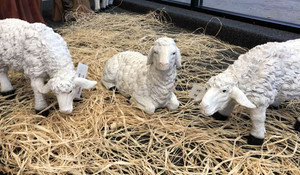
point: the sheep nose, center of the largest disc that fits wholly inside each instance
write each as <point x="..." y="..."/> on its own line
<point x="164" y="64"/>
<point x="66" y="111"/>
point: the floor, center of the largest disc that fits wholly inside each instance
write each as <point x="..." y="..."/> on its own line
<point x="280" y="10"/>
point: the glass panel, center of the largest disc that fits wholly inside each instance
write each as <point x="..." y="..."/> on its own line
<point x="280" y="10"/>
<point x="181" y="1"/>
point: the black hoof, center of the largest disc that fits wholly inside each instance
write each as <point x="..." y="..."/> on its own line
<point x="297" y="125"/>
<point x="114" y="89"/>
<point x="251" y="140"/>
<point x="11" y="94"/>
<point x="45" y="113"/>
<point x="273" y="107"/>
<point x="107" y="98"/>
<point x="78" y="100"/>
<point x="219" y="116"/>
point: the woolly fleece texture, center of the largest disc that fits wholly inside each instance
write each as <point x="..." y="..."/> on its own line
<point x="39" y="52"/>
<point x="146" y="80"/>
<point x="266" y="75"/>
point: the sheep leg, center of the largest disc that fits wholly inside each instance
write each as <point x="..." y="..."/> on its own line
<point x="224" y="113"/>
<point x="97" y="5"/>
<point x="257" y="133"/>
<point x="103" y="4"/>
<point x="40" y="102"/>
<point x="297" y="124"/>
<point x="143" y="104"/>
<point x="6" y="87"/>
<point x="173" y="104"/>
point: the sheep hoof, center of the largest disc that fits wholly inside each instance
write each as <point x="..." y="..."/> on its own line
<point x="114" y="89"/>
<point x="251" y="140"/>
<point x="11" y="94"/>
<point x="297" y="125"/>
<point x="45" y="113"/>
<point x="219" y="116"/>
<point x="78" y="100"/>
<point x="273" y="107"/>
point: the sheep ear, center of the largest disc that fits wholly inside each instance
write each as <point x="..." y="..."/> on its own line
<point x="241" y="98"/>
<point x="150" y="56"/>
<point x="178" y="58"/>
<point x="46" y="88"/>
<point x="84" y="83"/>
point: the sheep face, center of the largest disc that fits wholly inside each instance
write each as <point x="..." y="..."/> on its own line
<point x="65" y="91"/>
<point x="219" y="92"/>
<point x="164" y="55"/>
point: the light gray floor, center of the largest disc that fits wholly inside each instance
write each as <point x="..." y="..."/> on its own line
<point x="280" y="10"/>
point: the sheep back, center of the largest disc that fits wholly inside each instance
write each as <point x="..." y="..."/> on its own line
<point x="34" y="48"/>
<point x="269" y="72"/>
<point x="128" y="71"/>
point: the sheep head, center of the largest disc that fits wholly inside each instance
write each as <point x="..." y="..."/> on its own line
<point x="164" y="55"/>
<point x="65" y="91"/>
<point x="220" y="90"/>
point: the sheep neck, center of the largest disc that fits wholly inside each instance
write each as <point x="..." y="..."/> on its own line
<point x="65" y="72"/>
<point x="161" y="83"/>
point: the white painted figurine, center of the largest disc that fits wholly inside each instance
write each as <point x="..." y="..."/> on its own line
<point x="266" y="75"/>
<point x="39" y="52"/>
<point x="102" y="4"/>
<point x="149" y="81"/>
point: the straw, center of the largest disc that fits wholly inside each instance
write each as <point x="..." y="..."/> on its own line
<point x="105" y="134"/>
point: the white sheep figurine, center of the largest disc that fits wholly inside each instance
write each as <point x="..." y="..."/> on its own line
<point x="266" y="75"/>
<point x="149" y="81"/>
<point x="39" y="52"/>
<point x="102" y="4"/>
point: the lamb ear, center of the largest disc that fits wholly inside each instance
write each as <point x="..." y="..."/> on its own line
<point x="178" y="58"/>
<point x="241" y="98"/>
<point x="46" y="88"/>
<point x="150" y="56"/>
<point x="84" y="83"/>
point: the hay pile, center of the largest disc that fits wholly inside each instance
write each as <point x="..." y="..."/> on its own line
<point x="106" y="135"/>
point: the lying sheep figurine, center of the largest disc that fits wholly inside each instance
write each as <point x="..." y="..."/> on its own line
<point x="39" y="52"/>
<point x="148" y="81"/>
<point x="102" y="4"/>
<point x="266" y="75"/>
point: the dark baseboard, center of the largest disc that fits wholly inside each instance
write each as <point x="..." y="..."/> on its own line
<point x="232" y="31"/>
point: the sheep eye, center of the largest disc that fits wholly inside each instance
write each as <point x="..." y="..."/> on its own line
<point x="224" y="91"/>
<point x="155" y="52"/>
<point x="173" y="53"/>
<point x="70" y="91"/>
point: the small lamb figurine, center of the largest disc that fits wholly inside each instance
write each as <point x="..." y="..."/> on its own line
<point x="39" y="52"/>
<point x="266" y="75"/>
<point x="149" y="81"/>
<point x="102" y="4"/>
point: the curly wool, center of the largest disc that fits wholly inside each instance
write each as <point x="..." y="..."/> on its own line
<point x="136" y="77"/>
<point x="268" y="73"/>
<point x="142" y="78"/>
<point x="36" y="50"/>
